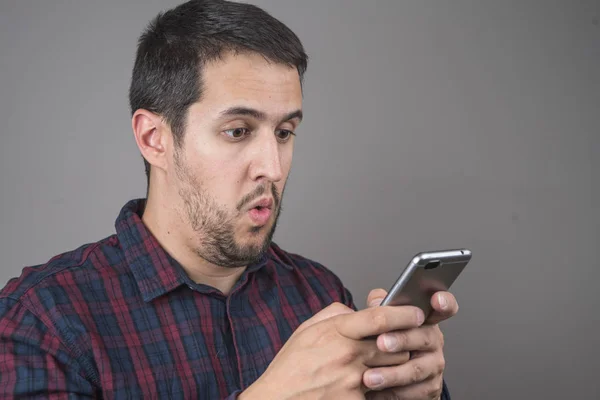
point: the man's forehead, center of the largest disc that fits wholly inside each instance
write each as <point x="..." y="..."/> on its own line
<point x="250" y="71"/>
<point x="251" y="86"/>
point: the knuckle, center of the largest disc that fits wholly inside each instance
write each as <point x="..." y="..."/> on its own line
<point x="337" y="307"/>
<point x="434" y="390"/>
<point x="379" y="319"/>
<point x="441" y="364"/>
<point x="435" y="338"/>
<point x="427" y="340"/>
<point x="348" y="353"/>
<point x="440" y="387"/>
<point x="345" y="359"/>
<point x="417" y="373"/>
<point x="423" y="392"/>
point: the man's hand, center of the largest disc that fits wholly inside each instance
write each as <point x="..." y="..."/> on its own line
<point x="422" y="376"/>
<point x="327" y="356"/>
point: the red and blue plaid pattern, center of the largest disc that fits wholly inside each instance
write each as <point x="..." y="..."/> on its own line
<point x="121" y="319"/>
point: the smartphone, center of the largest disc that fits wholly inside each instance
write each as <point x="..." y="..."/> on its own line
<point x="426" y="274"/>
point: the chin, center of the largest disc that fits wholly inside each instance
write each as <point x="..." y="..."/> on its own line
<point x="255" y="245"/>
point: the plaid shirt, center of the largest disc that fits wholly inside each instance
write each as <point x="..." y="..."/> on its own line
<point x="121" y="319"/>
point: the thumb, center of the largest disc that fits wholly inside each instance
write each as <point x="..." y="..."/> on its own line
<point x="330" y="311"/>
<point x="375" y="297"/>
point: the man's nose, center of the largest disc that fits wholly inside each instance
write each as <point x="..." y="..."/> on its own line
<point x="267" y="160"/>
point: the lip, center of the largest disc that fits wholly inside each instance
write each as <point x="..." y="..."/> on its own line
<point x="260" y="213"/>
<point x="265" y="202"/>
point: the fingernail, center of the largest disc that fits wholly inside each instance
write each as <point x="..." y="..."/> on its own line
<point x="375" y="379"/>
<point x="442" y="300"/>
<point x="390" y="342"/>
<point x="420" y="317"/>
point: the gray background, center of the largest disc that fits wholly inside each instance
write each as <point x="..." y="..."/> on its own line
<point x="428" y="125"/>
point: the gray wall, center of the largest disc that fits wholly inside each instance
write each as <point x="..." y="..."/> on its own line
<point x="428" y="125"/>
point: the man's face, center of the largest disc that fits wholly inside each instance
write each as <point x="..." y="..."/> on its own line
<point x="236" y="150"/>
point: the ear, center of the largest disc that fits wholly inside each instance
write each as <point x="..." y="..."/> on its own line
<point x="152" y="137"/>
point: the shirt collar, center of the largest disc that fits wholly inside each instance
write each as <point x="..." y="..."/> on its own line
<point x="154" y="270"/>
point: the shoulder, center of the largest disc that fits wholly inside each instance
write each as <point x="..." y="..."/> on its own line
<point x="53" y="280"/>
<point x="304" y="265"/>
<point x="312" y="273"/>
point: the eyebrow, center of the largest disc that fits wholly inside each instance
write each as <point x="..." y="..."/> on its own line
<point x="257" y="114"/>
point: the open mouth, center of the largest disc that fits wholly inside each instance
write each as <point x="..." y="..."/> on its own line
<point x="260" y="215"/>
<point x="260" y="211"/>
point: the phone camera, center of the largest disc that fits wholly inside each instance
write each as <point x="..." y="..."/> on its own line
<point x="432" y="264"/>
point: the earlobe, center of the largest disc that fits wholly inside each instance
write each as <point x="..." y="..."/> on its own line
<point x="149" y="132"/>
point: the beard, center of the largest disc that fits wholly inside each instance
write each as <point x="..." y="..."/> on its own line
<point x="215" y="226"/>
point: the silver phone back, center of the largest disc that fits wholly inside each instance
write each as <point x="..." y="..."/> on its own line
<point x="423" y="277"/>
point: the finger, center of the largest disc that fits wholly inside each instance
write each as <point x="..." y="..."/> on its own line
<point x="429" y="389"/>
<point x="372" y="357"/>
<point x="375" y="297"/>
<point x="378" y="320"/>
<point x="382" y="359"/>
<point x="424" y="338"/>
<point x="444" y="306"/>
<point x="410" y="373"/>
<point x="333" y="310"/>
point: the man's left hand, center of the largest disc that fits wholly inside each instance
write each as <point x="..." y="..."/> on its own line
<point x="422" y="376"/>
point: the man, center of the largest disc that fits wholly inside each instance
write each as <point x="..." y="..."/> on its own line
<point x="190" y="298"/>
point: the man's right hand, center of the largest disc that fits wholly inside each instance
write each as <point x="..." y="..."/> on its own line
<point x="327" y="355"/>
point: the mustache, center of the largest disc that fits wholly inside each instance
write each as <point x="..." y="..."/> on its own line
<point x="258" y="192"/>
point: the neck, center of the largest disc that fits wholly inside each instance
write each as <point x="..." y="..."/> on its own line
<point x="160" y="219"/>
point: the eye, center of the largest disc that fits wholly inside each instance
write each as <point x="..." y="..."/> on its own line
<point x="236" y="133"/>
<point x="284" y="135"/>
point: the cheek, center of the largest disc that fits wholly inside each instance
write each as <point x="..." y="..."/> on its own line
<point x="224" y="181"/>
<point x="214" y="164"/>
<point x="286" y="159"/>
<point x="286" y="167"/>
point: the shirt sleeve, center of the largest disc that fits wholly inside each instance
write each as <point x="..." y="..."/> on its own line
<point x="34" y="363"/>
